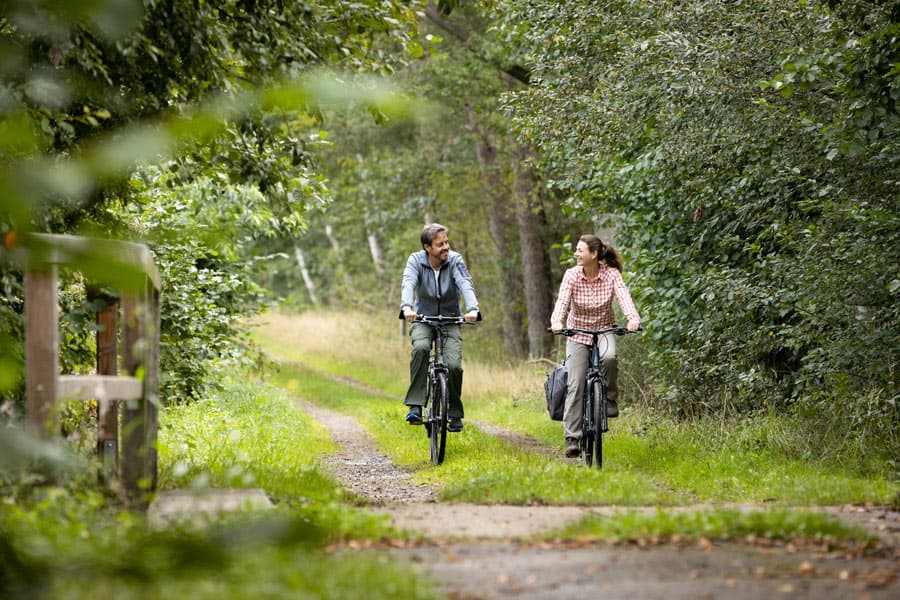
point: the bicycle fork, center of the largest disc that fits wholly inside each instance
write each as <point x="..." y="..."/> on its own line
<point x="595" y="407"/>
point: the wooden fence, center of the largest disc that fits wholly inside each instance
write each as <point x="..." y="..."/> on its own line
<point x="131" y="269"/>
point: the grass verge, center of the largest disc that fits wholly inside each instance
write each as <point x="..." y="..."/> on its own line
<point x="757" y="526"/>
<point x="64" y="545"/>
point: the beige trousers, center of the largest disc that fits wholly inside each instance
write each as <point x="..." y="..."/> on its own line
<point x="578" y="356"/>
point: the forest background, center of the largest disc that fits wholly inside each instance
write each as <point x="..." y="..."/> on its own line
<point x="743" y="156"/>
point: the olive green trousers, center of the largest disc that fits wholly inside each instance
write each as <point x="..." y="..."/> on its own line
<point x="422" y="337"/>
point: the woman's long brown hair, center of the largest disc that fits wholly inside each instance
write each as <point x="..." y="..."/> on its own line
<point x="605" y="253"/>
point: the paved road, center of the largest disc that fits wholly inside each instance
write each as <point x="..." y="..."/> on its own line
<point x="534" y="572"/>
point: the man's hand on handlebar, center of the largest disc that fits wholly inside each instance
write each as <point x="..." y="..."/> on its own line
<point x="409" y="314"/>
<point x="471" y="316"/>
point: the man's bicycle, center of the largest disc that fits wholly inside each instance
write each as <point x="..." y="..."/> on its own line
<point x="437" y="399"/>
<point x="594" y="421"/>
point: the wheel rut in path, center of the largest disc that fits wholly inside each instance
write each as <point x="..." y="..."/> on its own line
<point x="361" y="467"/>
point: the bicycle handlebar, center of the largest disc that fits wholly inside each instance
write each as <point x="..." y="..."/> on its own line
<point x="443" y="320"/>
<point x="570" y="331"/>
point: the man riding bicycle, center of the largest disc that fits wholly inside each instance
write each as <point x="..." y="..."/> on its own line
<point x="433" y="281"/>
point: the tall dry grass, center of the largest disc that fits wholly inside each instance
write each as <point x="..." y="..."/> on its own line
<point x="380" y="343"/>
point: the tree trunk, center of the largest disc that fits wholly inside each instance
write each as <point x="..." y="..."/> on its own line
<point x="310" y="286"/>
<point x="536" y="274"/>
<point x="503" y="229"/>
<point x="336" y="247"/>
<point x="376" y="252"/>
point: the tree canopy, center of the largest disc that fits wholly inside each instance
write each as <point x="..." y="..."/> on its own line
<point x="743" y="156"/>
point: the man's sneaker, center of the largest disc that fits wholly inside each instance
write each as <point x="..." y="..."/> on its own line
<point x="612" y="409"/>
<point x="414" y="416"/>
<point x="572" y="449"/>
<point x="455" y="424"/>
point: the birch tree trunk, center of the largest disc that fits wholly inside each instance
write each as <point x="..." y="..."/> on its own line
<point x="336" y="247"/>
<point x="376" y="252"/>
<point x="304" y="272"/>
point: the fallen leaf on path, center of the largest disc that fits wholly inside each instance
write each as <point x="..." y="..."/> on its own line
<point x="805" y="569"/>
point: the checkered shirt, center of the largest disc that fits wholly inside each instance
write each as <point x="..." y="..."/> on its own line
<point x="591" y="300"/>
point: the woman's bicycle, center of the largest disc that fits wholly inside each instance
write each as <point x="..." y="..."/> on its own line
<point x="437" y="399"/>
<point x="594" y="421"/>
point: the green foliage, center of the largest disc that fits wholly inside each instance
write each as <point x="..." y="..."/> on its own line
<point x="203" y="236"/>
<point x="759" y="219"/>
<point x="12" y="325"/>
<point x="62" y="544"/>
<point x="94" y="90"/>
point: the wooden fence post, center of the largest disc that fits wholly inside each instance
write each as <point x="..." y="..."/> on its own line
<point x="133" y="414"/>
<point x="41" y="349"/>
<point x="140" y="420"/>
<point x="108" y="409"/>
<point x="151" y="384"/>
<point x="140" y="355"/>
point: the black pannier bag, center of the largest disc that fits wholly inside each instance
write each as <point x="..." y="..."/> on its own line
<point x="555" y="389"/>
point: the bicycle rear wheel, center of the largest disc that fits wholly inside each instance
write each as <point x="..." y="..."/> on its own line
<point x="437" y="433"/>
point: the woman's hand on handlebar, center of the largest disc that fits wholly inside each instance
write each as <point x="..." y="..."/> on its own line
<point x="556" y="327"/>
<point x="634" y="326"/>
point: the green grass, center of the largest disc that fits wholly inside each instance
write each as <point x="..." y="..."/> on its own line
<point x="715" y="524"/>
<point x="478" y="467"/>
<point x="64" y="545"/>
<point x="244" y="437"/>
<point x="376" y="368"/>
<point x="649" y="458"/>
<point x="254" y="435"/>
<point x="742" y="461"/>
<point x="71" y="541"/>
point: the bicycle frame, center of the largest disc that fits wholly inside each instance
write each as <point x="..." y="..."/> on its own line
<point x="594" y="419"/>
<point x="436" y="367"/>
<point x="437" y="396"/>
<point x="595" y="376"/>
<point x="436" y="361"/>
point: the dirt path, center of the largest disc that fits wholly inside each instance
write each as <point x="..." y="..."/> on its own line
<point x="483" y="551"/>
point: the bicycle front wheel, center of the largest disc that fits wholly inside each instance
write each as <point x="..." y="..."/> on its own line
<point x="438" y="418"/>
<point x="598" y="402"/>
<point x="588" y="425"/>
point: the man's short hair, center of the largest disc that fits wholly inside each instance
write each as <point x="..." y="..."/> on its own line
<point x="431" y="231"/>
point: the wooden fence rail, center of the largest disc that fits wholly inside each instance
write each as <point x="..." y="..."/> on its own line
<point x="131" y="270"/>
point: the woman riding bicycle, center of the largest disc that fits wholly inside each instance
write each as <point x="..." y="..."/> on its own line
<point x="588" y="288"/>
